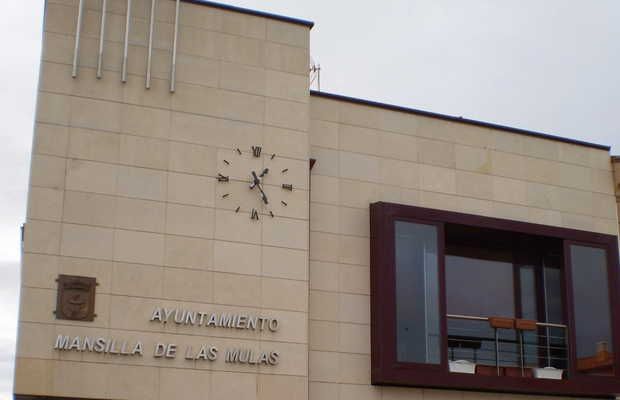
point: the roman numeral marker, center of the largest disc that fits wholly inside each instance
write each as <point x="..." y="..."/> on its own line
<point x="284" y="203"/>
<point x="226" y="162"/>
<point x="256" y="150"/>
<point x="287" y="186"/>
<point x="222" y="178"/>
<point x="225" y="195"/>
<point x="254" y="214"/>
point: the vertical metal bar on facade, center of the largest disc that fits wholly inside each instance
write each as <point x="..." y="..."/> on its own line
<point x="426" y="305"/>
<point x="497" y="350"/>
<point x="548" y="346"/>
<point x="104" y="4"/>
<point x="521" y="352"/>
<point x="173" y="62"/>
<point x="567" y="350"/>
<point x="149" y="54"/>
<point x="78" y="30"/>
<point x="126" y="45"/>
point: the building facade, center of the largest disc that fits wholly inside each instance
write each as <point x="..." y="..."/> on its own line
<point x="199" y="226"/>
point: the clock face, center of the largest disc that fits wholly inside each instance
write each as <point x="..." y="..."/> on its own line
<point x="252" y="181"/>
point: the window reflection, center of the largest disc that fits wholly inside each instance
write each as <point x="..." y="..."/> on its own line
<point x="555" y="354"/>
<point x="417" y="293"/>
<point x="479" y="287"/>
<point x="506" y="275"/>
<point x="591" y="310"/>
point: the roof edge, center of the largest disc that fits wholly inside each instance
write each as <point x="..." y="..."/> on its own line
<point x="615" y="159"/>
<point x="242" y="10"/>
<point x="452" y="118"/>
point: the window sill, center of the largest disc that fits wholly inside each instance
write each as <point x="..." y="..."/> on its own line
<point x="591" y="386"/>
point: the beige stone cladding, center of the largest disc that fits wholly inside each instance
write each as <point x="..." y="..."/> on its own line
<point x="124" y="188"/>
<point x="366" y="154"/>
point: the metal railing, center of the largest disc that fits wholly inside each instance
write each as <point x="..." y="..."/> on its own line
<point x="507" y="350"/>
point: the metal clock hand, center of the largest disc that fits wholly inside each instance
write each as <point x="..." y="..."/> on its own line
<point x="256" y="183"/>
<point x="263" y="195"/>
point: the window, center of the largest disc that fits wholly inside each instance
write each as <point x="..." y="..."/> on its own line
<point x="417" y="293"/>
<point x="462" y="301"/>
<point x="593" y="340"/>
<point x="495" y="273"/>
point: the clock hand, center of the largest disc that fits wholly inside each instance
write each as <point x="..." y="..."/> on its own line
<point x="265" y="172"/>
<point x="255" y="181"/>
<point x="263" y="195"/>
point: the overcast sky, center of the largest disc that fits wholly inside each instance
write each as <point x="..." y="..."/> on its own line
<point x="550" y="66"/>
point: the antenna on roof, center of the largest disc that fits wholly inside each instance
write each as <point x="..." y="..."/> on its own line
<point x="315" y="74"/>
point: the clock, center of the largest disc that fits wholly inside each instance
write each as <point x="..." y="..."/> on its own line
<point x="251" y="181"/>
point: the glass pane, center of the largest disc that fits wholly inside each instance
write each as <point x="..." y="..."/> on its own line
<point x="527" y="284"/>
<point x="480" y="283"/>
<point x="555" y="350"/>
<point x="479" y="287"/>
<point x="527" y="280"/>
<point x="591" y="310"/>
<point x="554" y="311"/>
<point x="417" y="293"/>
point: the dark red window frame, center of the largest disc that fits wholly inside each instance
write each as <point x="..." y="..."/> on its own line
<point x="386" y="370"/>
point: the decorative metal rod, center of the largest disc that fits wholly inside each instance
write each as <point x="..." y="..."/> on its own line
<point x="78" y="30"/>
<point x="150" y="49"/>
<point x="173" y="62"/>
<point x="126" y="45"/>
<point x="104" y="5"/>
<point x="497" y="350"/>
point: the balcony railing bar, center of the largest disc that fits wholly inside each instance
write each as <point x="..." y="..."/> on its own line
<point x="476" y="318"/>
<point x="512" y="353"/>
<point x="456" y="342"/>
<point x="474" y="339"/>
<point x="505" y="361"/>
<point x="523" y="347"/>
<point x="478" y="331"/>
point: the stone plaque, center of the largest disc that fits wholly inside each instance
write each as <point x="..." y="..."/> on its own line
<point x="76" y="298"/>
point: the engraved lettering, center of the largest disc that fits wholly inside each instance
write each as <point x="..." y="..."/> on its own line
<point x="88" y="344"/>
<point x="190" y="318"/>
<point x="137" y="349"/>
<point x="232" y="356"/>
<point x="274" y="358"/>
<point x="156" y="315"/>
<point x="62" y="342"/>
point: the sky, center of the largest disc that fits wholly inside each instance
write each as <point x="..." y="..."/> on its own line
<point x="551" y="66"/>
